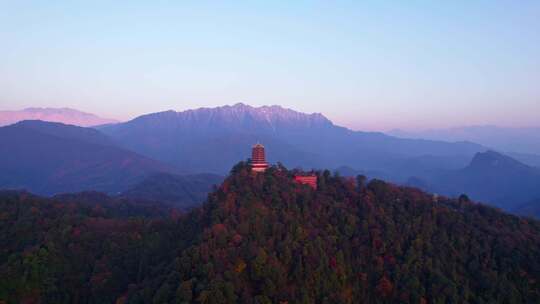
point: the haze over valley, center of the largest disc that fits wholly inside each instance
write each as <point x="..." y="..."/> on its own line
<point x="115" y="157"/>
<point x="269" y="152"/>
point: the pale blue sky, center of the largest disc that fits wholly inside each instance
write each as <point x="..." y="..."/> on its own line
<point x="370" y="66"/>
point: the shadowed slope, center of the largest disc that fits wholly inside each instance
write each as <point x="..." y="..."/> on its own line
<point x="48" y="158"/>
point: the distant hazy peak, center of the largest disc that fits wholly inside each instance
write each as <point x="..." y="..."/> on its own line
<point x="52" y="110"/>
<point x="508" y="139"/>
<point x="62" y="115"/>
<point x="492" y="159"/>
<point x="61" y="130"/>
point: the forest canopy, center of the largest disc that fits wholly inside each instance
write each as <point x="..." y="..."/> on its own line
<point x="262" y="238"/>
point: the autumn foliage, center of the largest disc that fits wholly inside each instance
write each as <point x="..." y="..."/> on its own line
<point x="263" y="238"/>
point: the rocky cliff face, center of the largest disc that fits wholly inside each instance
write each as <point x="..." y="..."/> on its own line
<point x="235" y="117"/>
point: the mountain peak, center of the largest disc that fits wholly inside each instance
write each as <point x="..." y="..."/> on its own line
<point x="491" y="159"/>
<point x="237" y="116"/>
<point x="271" y="110"/>
<point x="66" y="131"/>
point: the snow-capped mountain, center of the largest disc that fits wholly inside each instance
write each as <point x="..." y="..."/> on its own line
<point x="236" y="117"/>
<point x="214" y="139"/>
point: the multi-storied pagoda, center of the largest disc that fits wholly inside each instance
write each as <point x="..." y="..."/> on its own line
<point x="258" y="159"/>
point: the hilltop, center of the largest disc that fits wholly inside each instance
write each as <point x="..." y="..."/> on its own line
<point x="262" y="238"/>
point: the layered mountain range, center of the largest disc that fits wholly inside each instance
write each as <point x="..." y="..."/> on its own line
<point x="213" y="139"/>
<point x="50" y="158"/>
<point x="490" y="177"/>
<point x="141" y="155"/>
<point x="511" y="140"/>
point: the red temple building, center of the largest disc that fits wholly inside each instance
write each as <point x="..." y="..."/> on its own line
<point x="258" y="158"/>
<point x="258" y="164"/>
<point x="310" y="180"/>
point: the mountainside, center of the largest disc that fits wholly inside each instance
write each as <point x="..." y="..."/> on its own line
<point x="63" y="115"/>
<point x="48" y="158"/>
<point x="519" y="140"/>
<point x="180" y="191"/>
<point x="65" y="131"/>
<point x="530" y="209"/>
<point x="492" y="178"/>
<point x="211" y="140"/>
<point x="265" y="239"/>
<point x="528" y="159"/>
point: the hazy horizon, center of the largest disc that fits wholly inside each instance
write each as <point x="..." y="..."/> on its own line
<point x="372" y="66"/>
<point x="390" y="130"/>
<point x="385" y="130"/>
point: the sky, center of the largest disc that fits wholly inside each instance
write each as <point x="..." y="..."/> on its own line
<point x="367" y="65"/>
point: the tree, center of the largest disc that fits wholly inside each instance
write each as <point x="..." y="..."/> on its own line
<point x="361" y="182"/>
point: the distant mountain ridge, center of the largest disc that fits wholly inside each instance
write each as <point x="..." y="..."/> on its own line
<point x="213" y="139"/>
<point x="490" y="177"/>
<point x="137" y="157"/>
<point x="516" y="140"/>
<point x="239" y="117"/>
<point x="66" y="131"/>
<point x="62" y="115"/>
<point x="491" y="160"/>
<point x="50" y="158"/>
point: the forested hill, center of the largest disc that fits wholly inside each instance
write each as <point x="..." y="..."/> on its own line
<point x="80" y="248"/>
<point x="268" y="240"/>
<point x="265" y="239"/>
